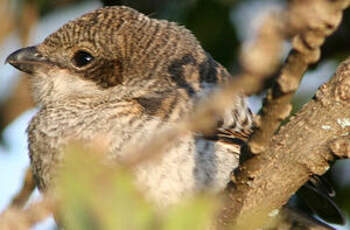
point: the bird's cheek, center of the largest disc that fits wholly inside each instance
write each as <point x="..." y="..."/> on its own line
<point x="68" y="85"/>
<point x="51" y="84"/>
<point x="41" y="87"/>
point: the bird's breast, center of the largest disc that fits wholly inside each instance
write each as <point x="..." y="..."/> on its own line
<point x="189" y="165"/>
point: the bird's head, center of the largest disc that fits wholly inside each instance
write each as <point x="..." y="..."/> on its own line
<point x="110" y="51"/>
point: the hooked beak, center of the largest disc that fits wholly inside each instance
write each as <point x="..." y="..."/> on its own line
<point x="26" y="59"/>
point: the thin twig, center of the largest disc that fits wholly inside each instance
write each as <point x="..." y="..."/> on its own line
<point x="19" y="219"/>
<point x="27" y="189"/>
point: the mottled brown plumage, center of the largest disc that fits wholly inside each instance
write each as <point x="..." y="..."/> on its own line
<point x="117" y="73"/>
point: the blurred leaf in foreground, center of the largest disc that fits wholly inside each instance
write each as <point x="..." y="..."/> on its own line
<point x="195" y="214"/>
<point x="95" y="195"/>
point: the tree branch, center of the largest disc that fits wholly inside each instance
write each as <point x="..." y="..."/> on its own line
<point x="319" y="19"/>
<point x="15" y="218"/>
<point x="27" y="189"/>
<point x="319" y="133"/>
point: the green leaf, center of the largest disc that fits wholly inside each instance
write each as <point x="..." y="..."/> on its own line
<point x="195" y="214"/>
<point x="96" y="196"/>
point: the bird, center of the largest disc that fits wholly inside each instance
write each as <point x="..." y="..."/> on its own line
<point x="117" y="73"/>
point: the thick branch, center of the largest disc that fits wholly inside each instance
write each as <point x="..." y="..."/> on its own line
<point x="318" y="134"/>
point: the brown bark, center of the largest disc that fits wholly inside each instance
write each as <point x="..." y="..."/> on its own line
<point x="15" y="218"/>
<point x="316" y="135"/>
<point x="313" y="20"/>
<point x="27" y="188"/>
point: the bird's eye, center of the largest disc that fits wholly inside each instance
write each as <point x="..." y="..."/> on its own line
<point x="82" y="58"/>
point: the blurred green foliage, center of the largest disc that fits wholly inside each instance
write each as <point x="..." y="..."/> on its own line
<point x="100" y="197"/>
<point x="96" y="196"/>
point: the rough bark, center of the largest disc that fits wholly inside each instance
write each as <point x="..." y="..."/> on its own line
<point x="316" y="135"/>
<point x="313" y="21"/>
